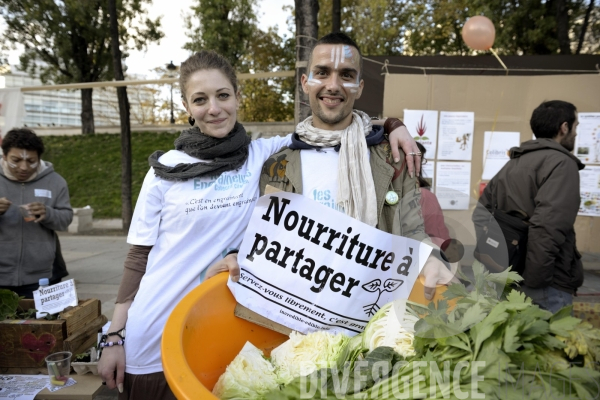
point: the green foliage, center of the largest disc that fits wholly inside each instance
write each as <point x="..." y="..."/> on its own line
<point x="428" y="27"/>
<point x="91" y="166"/>
<point x="72" y="37"/>
<point x="225" y="26"/>
<point x="9" y="306"/>
<point x="230" y="28"/>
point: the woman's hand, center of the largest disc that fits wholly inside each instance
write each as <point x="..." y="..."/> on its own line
<point x="400" y="138"/>
<point x="436" y="273"/>
<point x="229" y="263"/>
<point x="111" y="367"/>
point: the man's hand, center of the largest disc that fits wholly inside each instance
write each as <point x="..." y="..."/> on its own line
<point x="39" y="210"/>
<point x="4" y="204"/>
<point x="229" y="263"/>
<point x="436" y="273"/>
<point x="401" y="138"/>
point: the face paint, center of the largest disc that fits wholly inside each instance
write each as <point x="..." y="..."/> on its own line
<point x="34" y="165"/>
<point x="352" y="86"/>
<point x="12" y="165"/>
<point x="312" y="80"/>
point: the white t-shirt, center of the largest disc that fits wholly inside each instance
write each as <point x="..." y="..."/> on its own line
<point x="191" y="225"/>
<point x="319" y="176"/>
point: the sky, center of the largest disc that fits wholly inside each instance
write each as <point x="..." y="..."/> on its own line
<point x="140" y="63"/>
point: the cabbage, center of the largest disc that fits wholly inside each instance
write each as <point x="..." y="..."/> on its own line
<point x="391" y="327"/>
<point x="301" y="354"/>
<point x="249" y="376"/>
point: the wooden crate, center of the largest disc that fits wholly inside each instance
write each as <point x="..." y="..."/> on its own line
<point x="24" y="344"/>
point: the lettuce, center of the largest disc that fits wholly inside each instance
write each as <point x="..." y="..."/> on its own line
<point x="303" y="354"/>
<point x="391" y="326"/>
<point x="249" y="376"/>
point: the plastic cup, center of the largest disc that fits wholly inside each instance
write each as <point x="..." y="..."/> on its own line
<point x="27" y="216"/>
<point x="59" y="367"/>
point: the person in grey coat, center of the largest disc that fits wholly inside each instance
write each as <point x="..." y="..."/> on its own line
<point x="34" y="203"/>
<point x="542" y="180"/>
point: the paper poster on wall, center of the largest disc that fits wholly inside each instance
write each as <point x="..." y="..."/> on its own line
<point x="587" y="145"/>
<point x="422" y="125"/>
<point x="590" y="191"/>
<point x="496" y="146"/>
<point x="428" y="170"/>
<point x="455" y="141"/>
<point x="453" y="182"/>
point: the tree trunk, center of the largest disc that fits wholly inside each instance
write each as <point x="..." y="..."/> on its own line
<point x="307" y="28"/>
<point x="87" y="112"/>
<point x="126" y="204"/>
<point x="336" y="15"/>
<point x="584" y="27"/>
<point x="562" y="27"/>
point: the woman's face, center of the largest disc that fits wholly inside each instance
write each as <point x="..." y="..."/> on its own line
<point x="22" y="163"/>
<point x="212" y="102"/>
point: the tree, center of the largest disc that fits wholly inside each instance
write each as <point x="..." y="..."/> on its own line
<point x="67" y="41"/>
<point x="273" y="99"/>
<point x="126" y="206"/>
<point x="307" y="29"/>
<point x="225" y="26"/>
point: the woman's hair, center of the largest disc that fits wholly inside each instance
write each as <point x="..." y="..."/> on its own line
<point x="422" y="181"/>
<point x="22" y="138"/>
<point x="205" y="59"/>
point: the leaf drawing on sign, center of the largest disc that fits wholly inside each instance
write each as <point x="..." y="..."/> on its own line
<point x="421" y="127"/>
<point x="372" y="286"/>
<point x="389" y="285"/>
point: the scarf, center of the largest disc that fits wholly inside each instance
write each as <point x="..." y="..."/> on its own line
<point x="4" y="165"/>
<point x="356" y="189"/>
<point x="224" y="154"/>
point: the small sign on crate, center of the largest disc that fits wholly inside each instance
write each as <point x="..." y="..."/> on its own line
<point x="55" y="298"/>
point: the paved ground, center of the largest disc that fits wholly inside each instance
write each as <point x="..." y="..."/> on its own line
<point x="95" y="261"/>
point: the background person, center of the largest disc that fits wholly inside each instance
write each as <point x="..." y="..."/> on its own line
<point x="542" y="179"/>
<point x="193" y="208"/>
<point x="28" y="248"/>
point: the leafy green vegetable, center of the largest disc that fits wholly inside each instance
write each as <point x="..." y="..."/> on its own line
<point x="9" y="302"/>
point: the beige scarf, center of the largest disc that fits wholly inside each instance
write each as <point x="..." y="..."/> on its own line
<point x="4" y="165"/>
<point x="356" y="189"/>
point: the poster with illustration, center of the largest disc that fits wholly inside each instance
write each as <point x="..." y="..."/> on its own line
<point x="422" y="125"/>
<point x="453" y="182"/>
<point x="587" y="144"/>
<point x="456" y="135"/>
<point x="589" y="183"/>
<point x="496" y="146"/>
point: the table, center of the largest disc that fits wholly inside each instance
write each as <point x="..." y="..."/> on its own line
<point x="87" y="387"/>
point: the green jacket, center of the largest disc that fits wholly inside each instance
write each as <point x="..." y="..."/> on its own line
<point x="283" y="171"/>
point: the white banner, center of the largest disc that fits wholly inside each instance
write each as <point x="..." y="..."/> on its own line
<point x="55" y="298"/>
<point x="587" y="145"/>
<point x="589" y="179"/>
<point x="310" y="268"/>
<point x="12" y="109"/>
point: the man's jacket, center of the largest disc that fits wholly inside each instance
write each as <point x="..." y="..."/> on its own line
<point x="284" y="172"/>
<point x="541" y="179"/>
<point x="27" y="249"/>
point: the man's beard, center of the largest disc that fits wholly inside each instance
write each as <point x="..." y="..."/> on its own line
<point x="568" y="142"/>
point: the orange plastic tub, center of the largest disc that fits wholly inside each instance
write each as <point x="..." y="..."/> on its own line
<point x="202" y="336"/>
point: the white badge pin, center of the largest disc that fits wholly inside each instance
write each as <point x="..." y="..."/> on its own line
<point x="391" y="198"/>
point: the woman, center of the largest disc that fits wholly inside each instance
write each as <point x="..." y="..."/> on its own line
<point x="193" y="208"/>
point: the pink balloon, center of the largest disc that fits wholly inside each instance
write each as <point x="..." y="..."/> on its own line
<point x="479" y="33"/>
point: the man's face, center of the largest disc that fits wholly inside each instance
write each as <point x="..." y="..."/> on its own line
<point x="568" y="141"/>
<point x="333" y="85"/>
<point x="22" y="163"/>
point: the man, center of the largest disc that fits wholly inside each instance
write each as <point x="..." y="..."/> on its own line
<point x="542" y="179"/>
<point x="34" y="202"/>
<point x="338" y="159"/>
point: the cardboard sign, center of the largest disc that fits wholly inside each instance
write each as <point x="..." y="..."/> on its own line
<point x="55" y="298"/>
<point x="308" y="267"/>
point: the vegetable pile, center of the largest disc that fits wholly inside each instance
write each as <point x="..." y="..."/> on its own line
<point x="493" y="343"/>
